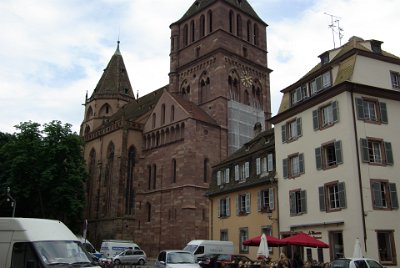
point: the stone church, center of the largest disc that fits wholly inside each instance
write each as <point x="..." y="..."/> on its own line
<point x="150" y="159"/>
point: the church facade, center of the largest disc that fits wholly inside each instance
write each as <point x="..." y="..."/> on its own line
<point x="150" y="159"/>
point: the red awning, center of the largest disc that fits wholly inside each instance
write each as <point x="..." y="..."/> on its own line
<point x="302" y="239"/>
<point x="272" y="241"/>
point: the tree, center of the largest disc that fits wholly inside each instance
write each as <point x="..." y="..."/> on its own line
<point x="46" y="172"/>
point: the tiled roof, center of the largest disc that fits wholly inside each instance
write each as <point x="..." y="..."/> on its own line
<point x="115" y="78"/>
<point x="200" y="5"/>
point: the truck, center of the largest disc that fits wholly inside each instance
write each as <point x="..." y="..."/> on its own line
<point x="110" y="248"/>
<point x="33" y="243"/>
<point x="202" y="247"/>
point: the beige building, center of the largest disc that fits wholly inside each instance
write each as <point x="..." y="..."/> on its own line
<point x="337" y="153"/>
<point x="243" y="195"/>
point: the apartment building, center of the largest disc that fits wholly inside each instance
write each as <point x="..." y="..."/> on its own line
<point x="337" y="153"/>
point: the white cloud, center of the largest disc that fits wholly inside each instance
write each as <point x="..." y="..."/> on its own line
<point x="53" y="51"/>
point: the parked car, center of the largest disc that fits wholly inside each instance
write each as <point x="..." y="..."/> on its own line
<point x="176" y="259"/>
<point x="130" y="256"/>
<point x="220" y="260"/>
<point x="355" y="263"/>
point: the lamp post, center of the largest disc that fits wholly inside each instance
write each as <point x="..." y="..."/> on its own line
<point x="13" y="202"/>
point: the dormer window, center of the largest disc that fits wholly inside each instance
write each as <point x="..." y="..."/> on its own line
<point x="324" y="58"/>
<point x="376" y="46"/>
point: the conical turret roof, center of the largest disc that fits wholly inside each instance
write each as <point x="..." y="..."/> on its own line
<point x="115" y="80"/>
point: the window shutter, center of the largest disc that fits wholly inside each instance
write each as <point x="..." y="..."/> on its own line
<point x="292" y="202"/>
<point x="271" y="198"/>
<point x="219" y="208"/>
<point x="219" y="178"/>
<point x="384" y="116"/>
<point x="364" y="150"/>
<point x="259" y="205"/>
<point x="227" y="175"/>
<point x="360" y="108"/>
<point x="238" y="205"/>
<point x="228" y="209"/>
<point x="285" y="168"/>
<point x="299" y="127"/>
<point x="247" y="171"/>
<point x="248" y="203"/>
<point x="338" y="152"/>
<point x="258" y="166"/>
<point x="321" y="191"/>
<point x="270" y="162"/>
<point x="335" y="111"/>
<point x="393" y="196"/>
<point x="342" y="195"/>
<point x="388" y="153"/>
<point x="283" y="133"/>
<point x="303" y="201"/>
<point x="376" y="192"/>
<point x="236" y="172"/>
<point x="318" y="159"/>
<point x="315" y="115"/>
<point x="301" y="163"/>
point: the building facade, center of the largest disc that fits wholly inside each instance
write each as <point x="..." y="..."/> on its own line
<point x="338" y="156"/>
<point x="243" y="195"/>
<point x="149" y="158"/>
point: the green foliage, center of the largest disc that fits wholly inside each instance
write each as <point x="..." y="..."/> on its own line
<point x="46" y="172"/>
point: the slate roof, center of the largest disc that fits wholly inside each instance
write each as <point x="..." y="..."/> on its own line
<point x="200" y="5"/>
<point x="115" y="78"/>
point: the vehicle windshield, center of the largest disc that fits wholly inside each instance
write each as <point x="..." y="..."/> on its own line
<point x="191" y="248"/>
<point x="373" y="264"/>
<point x="180" y="257"/>
<point x="62" y="252"/>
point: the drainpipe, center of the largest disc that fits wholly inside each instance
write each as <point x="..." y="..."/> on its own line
<point x="359" y="169"/>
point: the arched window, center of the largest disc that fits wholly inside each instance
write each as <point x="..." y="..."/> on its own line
<point x="105" y="110"/>
<point x="148" y="177"/>
<point x="130" y="195"/>
<point x="185" y="90"/>
<point x="148" y="211"/>
<point x="204" y="87"/>
<point x="89" y="112"/>
<point x="173" y="170"/>
<point x="202" y="26"/>
<point x="172" y="116"/>
<point x="231" y="18"/>
<point x="157" y="139"/>
<point x="167" y="138"/>
<point x="246" y="98"/>
<point x="154" y="176"/>
<point x="178" y="132"/>
<point x="257" y="95"/>
<point x="87" y="129"/>
<point x="233" y="81"/>
<point x="154" y="120"/>
<point x="192" y="31"/>
<point x="255" y="34"/>
<point x="248" y="31"/>
<point x="182" y="130"/>
<point x="109" y="177"/>
<point x="185" y="35"/>
<point x="210" y="21"/>
<point x="205" y="170"/>
<point x="163" y="114"/>
<point x="239" y="26"/>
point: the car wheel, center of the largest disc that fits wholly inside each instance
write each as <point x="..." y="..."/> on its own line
<point x="141" y="262"/>
<point x="117" y="261"/>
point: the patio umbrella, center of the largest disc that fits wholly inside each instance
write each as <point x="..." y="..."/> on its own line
<point x="305" y="240"/>
<point x="357" y="252"/>
<point x="263" y="251"/>
<point x="272" y="241"/>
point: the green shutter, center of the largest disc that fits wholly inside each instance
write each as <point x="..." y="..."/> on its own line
<point x="299" y="127"/>
<point x="283" y="133"/>
<point x="318" y="159"/>
<point x="388" y="153"/>
<point x="248" y="203"/>
<point x="315" y="119"/>
<point x="292" y="202"/>
<point x="321" y="191"/>
<point x="393" y="196"/>
<point x="335" y="110"/>
<point x="384" y="116"/>
<point x="364" y="150"/>
<point x="285" y="168"/>
<point x="338" y="152"/>
<point x="271" y="198"/>
<point x="301" y="163"/>
<point x="342" y="195"/>
<point x="303" y="201"/>
<point x="360" y="109"/>
<point x="376" y="193"/>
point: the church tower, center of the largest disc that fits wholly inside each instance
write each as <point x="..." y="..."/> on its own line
<point x="218" y="60"/>
<point x="113" y="91"/>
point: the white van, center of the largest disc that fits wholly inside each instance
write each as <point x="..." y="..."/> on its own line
<point x="35" y="243"/>
<point x="110" y="248"/>
<point x="201" y="247"/>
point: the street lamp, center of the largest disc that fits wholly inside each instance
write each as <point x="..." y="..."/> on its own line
<point x="13" y="202"/>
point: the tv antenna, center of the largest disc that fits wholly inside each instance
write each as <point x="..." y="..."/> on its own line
<point x="336" y="29"/>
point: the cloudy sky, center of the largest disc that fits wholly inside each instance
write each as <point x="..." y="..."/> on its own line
<point x="54" y="51"/>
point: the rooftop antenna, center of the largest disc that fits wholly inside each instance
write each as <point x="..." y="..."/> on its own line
<point x="335" y="27"/>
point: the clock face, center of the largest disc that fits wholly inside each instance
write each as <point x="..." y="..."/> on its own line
<point x="246" y="78"/>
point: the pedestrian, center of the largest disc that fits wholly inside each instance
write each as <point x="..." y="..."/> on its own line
<point x="283" y="261"/>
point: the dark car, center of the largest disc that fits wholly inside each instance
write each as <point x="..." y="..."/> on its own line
<point x="222" y="260"/>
